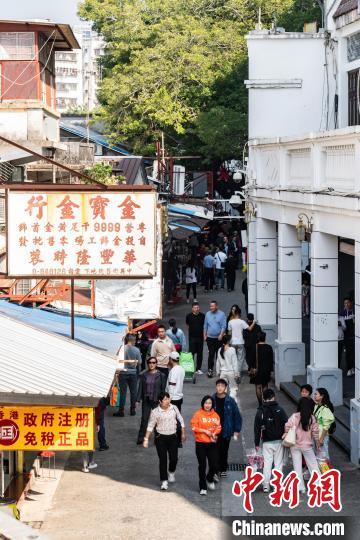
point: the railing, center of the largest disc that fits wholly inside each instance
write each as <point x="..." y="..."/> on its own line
<point x="328" y="161"/>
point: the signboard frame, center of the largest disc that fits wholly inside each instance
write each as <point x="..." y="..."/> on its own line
<point x="68" y="189"/>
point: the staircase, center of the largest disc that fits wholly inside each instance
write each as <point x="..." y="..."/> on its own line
<point x="342" y="413"/>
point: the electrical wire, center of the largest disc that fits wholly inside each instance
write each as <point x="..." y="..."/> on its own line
<point x="28" y="64"/>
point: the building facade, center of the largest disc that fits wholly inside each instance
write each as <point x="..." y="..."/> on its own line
<point x="78" y="73"/>
<point x="304" y="187"/>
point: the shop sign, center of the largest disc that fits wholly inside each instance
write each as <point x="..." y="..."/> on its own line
<point x="46" y="428"/>
<point x="81" y="234"/>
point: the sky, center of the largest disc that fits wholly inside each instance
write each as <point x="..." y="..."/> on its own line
<point x="61" y="11"/>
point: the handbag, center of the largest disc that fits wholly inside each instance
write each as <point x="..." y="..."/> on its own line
<point x="115" y="395"/>
<point x="290" y="438"/>
<point x="254" y="370"/>
<point x="222" y="263"/>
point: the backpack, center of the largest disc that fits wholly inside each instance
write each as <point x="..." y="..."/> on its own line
<point x="272" y="424"/>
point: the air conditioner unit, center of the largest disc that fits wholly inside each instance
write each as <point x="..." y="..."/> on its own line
<point x="179" y="180"/>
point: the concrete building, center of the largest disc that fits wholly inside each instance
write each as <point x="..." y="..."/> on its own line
<point x="304" y="163"/>
<point x="78" y="72"/>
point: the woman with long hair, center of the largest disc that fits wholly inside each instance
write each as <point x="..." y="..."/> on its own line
<point x="190" y="279"/>
<point x="205" y="425"/>
<point x="176" y="335"/>
<point x="324" y="414"/>
<point x="235" y="312"/>
<point x="307" y="431"/>
<point x="261" y="366"/>
<point x="227" y="365"/>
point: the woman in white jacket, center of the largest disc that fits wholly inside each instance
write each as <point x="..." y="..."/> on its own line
<point x="227" y="365"/>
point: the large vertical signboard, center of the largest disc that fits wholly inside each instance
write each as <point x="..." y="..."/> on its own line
<point x="92" y="234"/>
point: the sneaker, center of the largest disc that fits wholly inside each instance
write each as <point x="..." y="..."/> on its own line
<point x="349" y="373"/>
<point x="203" y="492"/>
<point x="195" y="300"/>
<point x="105" y="447"/>
<point x="223" y="474"/>
<point x="164" y="485"/>
<point x="266" y="489"/>
<point x="119" y="413"/>
<point x="171" y="477"/>
<point x="85" y="469"/>
<point x="211" y="486"/>
<point x="216" y="478"/>
<point x="199" y="372"/>
<point x="210" y="374"/>
<point x="92" y="465"/>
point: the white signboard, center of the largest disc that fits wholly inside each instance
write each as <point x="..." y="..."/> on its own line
<point x="82" y="234"/>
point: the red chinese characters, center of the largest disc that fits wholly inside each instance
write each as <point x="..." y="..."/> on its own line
<point x="36" y="202"/>
<point x="128" y="206"/>
<point x="285" y="490"/>
<point x="247" y="486"/>
<point x="67" y="206"/>
<point x="325" y="489"/>
<point x="98" y="205"/>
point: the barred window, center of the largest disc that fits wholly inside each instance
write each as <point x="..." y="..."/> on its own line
<point x="17" y="45"/>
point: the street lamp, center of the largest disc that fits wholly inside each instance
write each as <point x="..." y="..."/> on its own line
<point x="237" y="177"/>
<point x="303" y="227"/>
<point x="249" y="212"/>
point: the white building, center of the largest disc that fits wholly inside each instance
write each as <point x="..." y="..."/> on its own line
<point x="304" y="158"/>
<point x="78" y="72"/>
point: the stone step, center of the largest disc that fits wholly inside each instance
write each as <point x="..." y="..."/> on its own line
<point x="342" y="416"/>
<point x="300" y="380"/>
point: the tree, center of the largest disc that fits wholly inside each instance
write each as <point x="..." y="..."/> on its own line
<point x="178" y="66"/>
<point x="104" y="173"/>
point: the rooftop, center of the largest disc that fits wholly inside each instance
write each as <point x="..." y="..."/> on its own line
<point x="344" y="7"/>
<point x="65" y="39"/>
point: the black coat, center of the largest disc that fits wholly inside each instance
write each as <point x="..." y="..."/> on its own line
<point x="160" y="385"/>
<point x="264" y="364"/>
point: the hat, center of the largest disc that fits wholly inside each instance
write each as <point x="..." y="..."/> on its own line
<point x="250" y="317"/>
<point x="174" y="356"/>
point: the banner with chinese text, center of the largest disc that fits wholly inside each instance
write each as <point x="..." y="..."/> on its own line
<point x="81" y="234"/>
<point x="46" y="428"/>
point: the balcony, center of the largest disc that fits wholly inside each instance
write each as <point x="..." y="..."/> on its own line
<point x="327" y="162"/>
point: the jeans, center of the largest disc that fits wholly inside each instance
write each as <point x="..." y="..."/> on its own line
<point x="273" y="452"/>
<point x="220" y="277"/>
<point x="101" y="434"/>
<point x="166" y="444"/>
<point x="188" y="287"/>
<point x="310" y="460"/>
<point x="87" y="457"/>
<point x="213" y="346"/>
<point x="209" y="279"/>
<point x="241" y="358"/>
<point x="222" y="451"/>
<point x="324" y="448"/>
<point x="196" y="346"/>
<point x="146" y="407"/>
<point x="127" y="380"/>
<point x="206" y="451"/>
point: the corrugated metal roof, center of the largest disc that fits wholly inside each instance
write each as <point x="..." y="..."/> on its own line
<point x="345" y="6"/>
<point x="94" y="136"/>
<point x="36" y="366"/>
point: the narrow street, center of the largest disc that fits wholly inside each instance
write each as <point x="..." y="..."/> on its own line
<point x="121" y="498"/>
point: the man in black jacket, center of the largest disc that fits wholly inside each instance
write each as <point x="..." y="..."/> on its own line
<point x="269" y="427"/>
<point x="251" y="337"/>
<point x="152" y="383"/>
<point x="195" y="323"/>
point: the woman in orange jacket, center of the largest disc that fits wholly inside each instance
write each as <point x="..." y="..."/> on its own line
<point x="206" y="426"/>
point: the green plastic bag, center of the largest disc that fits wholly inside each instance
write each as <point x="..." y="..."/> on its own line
<point x="186" y="361"/>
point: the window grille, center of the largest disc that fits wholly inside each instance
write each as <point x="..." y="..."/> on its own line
<point x="17" y="45"/>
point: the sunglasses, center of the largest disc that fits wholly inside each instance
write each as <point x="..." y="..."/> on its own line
<point x="151" y="363"/>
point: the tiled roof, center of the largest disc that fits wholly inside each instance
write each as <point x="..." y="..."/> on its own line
<point x="344" y="7"/>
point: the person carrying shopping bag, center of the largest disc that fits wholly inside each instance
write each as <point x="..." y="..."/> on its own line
<point x="227" y="365"/>
<point x="205" y="425"/>
<point x="306" y="430"/>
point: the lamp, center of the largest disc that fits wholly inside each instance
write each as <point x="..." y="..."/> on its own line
<point x="303" y="227"/>
<point x="249" y="212"/>
<point x="237" y="177"/>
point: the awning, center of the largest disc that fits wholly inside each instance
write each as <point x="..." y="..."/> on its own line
<point x="38" y="367"/>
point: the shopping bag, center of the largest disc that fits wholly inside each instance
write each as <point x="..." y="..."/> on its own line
<point x="290" y="438"/>
<point x="186" y="361"/>
<point x="255" y="459"/>
<point x="323" y="461"/>
<point x="115" y="395"/>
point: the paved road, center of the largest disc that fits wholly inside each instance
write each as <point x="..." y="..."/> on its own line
<point x="121" y="498"/>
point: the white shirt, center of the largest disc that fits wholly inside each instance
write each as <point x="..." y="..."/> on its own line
<point x="220" y="257"/>
<point x="190" y="275"/>
<point x="236" y="327"/>
<point x="175" y="382"/>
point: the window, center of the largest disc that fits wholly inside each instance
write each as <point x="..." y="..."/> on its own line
<point x="353" y="47"/>
<point x="353" y="97"/>
<point x="17" y="45"/>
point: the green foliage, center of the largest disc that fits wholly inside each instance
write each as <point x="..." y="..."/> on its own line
<point x="101" y="172"/>
<point x="178" y="66"/>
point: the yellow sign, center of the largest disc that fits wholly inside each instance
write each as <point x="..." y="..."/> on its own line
<point x="46" y="428"/>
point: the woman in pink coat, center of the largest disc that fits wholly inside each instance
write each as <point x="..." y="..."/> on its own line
<point x="307" y="431"/>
